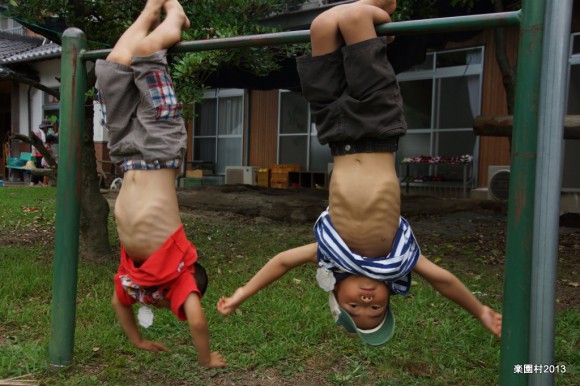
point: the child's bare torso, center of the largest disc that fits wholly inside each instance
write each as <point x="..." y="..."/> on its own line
<point x="146" y="211"/>
<point x="365" y="202"/>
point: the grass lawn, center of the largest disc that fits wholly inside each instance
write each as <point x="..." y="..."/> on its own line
<point x="283" y="335"/>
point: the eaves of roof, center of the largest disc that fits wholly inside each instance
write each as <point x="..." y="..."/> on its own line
<point x="12" y="44"/>
<point x="42" y="52"/>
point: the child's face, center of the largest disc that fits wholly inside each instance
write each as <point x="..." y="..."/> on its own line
<point x="365" y="299"/>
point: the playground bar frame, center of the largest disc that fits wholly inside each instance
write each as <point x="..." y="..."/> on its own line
<point x="68" y="198"/>
<point x="457" y="23"/>
<point x="516" y="304"/>
<point x="549" y="166"/>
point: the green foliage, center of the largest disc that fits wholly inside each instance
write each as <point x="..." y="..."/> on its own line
<point x="105" y="20"/>
<point x="223" y="19"/>
<point x="415" y="9"/>
<point x="467" y="3"/>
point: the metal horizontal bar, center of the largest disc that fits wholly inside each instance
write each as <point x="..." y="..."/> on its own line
<point x="457" y="23"/>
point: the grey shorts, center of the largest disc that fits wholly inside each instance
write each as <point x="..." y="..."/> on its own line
<point x="141" y="113"/>
<point x="354" y="98"/>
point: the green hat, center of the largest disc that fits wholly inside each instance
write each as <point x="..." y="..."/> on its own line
<point x="374" y="336"/>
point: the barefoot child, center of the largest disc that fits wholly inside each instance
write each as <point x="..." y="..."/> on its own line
<point x="365" y="250"/>
<point x="147" y="139"/>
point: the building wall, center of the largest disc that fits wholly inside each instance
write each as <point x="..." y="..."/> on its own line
<point x="260" y="140"/>
<point x="496" y="150"/>
<point x="263" y="131"/>
<point x="492" y="150"/>
<point x="31" y="100"/>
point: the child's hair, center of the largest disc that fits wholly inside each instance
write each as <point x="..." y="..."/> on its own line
<point x="200" y="277"/>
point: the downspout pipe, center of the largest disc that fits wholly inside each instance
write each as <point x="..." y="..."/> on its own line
<point x="29" y="109"/>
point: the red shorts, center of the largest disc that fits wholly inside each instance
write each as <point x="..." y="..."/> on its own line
<point x="166" y="274"/>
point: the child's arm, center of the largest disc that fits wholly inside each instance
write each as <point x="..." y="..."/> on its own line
<point x="200" y="333"/>
<point x="127" y="320"/>
<point x="271" y="271"/>
<point x="452" y="288"/>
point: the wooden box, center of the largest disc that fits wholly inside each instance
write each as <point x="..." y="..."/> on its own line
<point x="263" y="177"/>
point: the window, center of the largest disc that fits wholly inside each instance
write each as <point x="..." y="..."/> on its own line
<point x="297" y="142"/>
<point x="571" y="172"/>
<point x="441" y="97"/>
<point x="9" y="25"/>
<point x="218" y="129"/>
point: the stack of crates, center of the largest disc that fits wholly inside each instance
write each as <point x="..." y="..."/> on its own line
<point x="279" y="176"/>
<point x="192" y="178"/>
<point x="264" y="177"/>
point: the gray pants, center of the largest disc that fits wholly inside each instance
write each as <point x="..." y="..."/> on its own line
<point x="354" y="98"/>
<point x="141" y="113"/>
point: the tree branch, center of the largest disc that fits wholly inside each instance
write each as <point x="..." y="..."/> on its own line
<point x="501" y="56"/>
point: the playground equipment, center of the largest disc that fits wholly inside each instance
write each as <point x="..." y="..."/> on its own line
<point x="530" y="273"/>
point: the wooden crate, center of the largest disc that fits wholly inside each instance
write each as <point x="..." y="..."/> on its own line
<point x="263" y="177"/>
<point x="279" y="185"/>
<point x="279" y="175"/>
<point x="285" y="168"/>
<point x="197" y="173"/>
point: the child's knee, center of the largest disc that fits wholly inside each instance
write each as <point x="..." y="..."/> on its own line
<point x="355" y="18"/>
<point x="324" y="23"/>
<point x="324" y="29"/>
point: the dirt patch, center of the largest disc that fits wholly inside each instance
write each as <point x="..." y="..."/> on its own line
<point x="293" y="205"/>
<point x="302" y="204"/>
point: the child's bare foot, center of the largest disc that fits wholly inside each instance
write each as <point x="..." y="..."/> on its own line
<point x="174" y="6"/>
<point x="154" y="8"/>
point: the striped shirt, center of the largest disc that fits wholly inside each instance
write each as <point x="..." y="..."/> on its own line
<point x="394" y="269"/>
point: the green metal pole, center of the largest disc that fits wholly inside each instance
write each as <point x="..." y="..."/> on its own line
<point x="458" y="23"/>
<point x="72" y="90"/>
<point x="517" y="277"/>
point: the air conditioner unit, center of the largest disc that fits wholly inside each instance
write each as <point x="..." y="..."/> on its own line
<point x="247" y="175"/>
<point x="498" y="182"/>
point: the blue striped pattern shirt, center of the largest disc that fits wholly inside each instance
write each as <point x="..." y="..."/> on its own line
<point x="394" y="269"/>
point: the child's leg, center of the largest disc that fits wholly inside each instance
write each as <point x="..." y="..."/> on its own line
<point x="325" y="34"/>
<point x="166" y="34"/>
<point x="131" y="38"/>
<point x="345" y="24"/>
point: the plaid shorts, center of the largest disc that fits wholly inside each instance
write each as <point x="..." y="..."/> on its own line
<point x="141" y="112"/>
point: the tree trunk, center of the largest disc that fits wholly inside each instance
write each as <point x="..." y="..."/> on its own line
<point x="507" y="70"/>
<point x="94" y="230"/>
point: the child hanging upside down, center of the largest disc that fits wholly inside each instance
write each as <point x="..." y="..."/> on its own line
<point x="147" y="139"/>
<point x="365" y="250"/>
